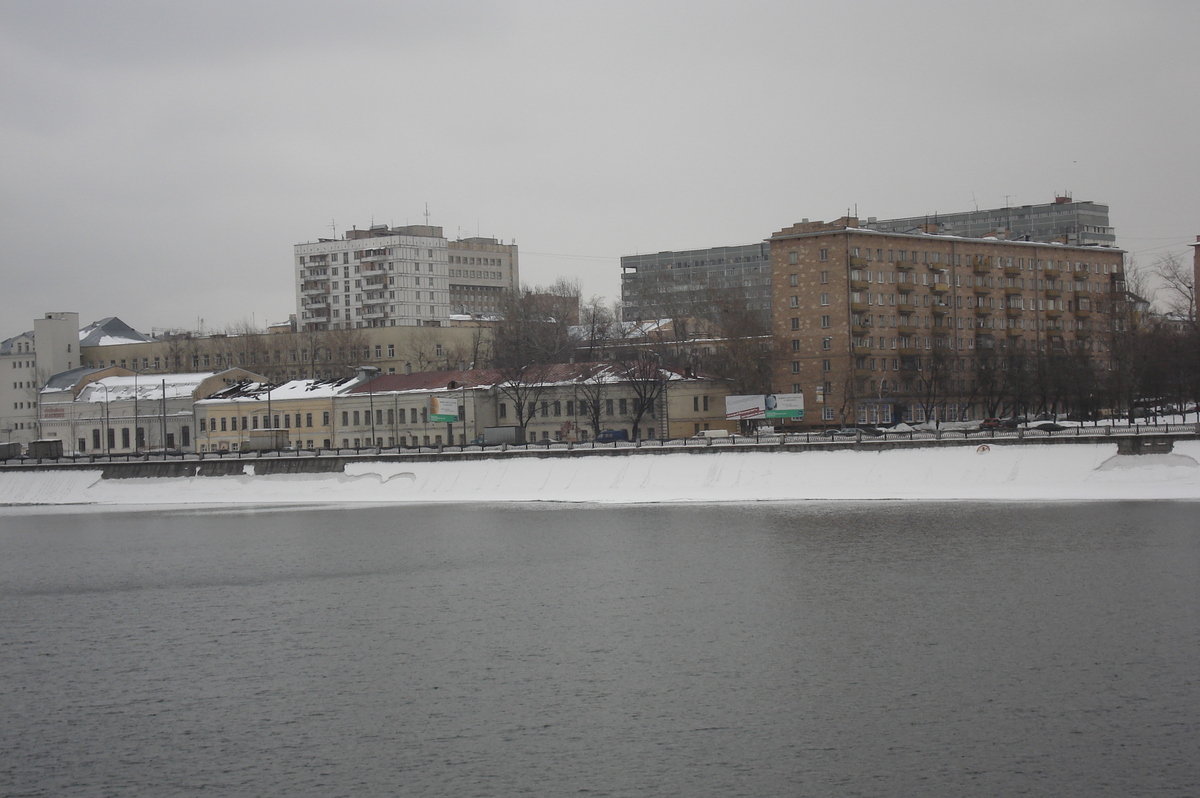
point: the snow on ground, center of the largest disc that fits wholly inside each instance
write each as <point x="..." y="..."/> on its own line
<point x="1075" y="472"/>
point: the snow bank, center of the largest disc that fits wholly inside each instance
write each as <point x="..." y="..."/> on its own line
<point x="1027" y="472"/>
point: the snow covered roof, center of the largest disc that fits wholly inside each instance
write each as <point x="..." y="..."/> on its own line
<point x="110" y="331"/>
<point x="67" y="380"/>
<point x="7" y="344"/>
<point x="144" y="387"/>
<point x="294" y="389"/>
<point x="551" y="374"/>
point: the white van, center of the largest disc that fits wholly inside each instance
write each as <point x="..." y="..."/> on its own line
<point x="712" y="433"/>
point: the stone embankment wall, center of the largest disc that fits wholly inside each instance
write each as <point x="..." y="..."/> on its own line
<point x="212" y="466"/>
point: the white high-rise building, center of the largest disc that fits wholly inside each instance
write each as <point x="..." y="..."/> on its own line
<point x="381" y="277"/>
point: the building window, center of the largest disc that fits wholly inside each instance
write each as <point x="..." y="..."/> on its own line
<point x="795" y="344"/>
<point x="325" y="420"/>
<point x="795" y="323"/>
<point x="824" y="321"/>
<point x="824" y="277"/>
<point x="827" y="343"/>
<point x="795" y="366"/>
<point x="503" y="410"/>
<point x="793" y="257"/>
<point x="824" y="254"/>
<point x="824" y="299"/>
<point x="826" y="365"/>
<point x="794" y="301"/>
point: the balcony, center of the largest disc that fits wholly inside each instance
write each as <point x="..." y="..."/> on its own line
<point x="1051" y="271"/>
<point x="981" y="289"/>
<point x="1053" y="312"/>
<point x="905" y="288"/>
<point x="314" y="287"/>
<point x="981" y="265"/>
<point x="905" y="265"/>
<point x="861" y="350"/>
<point x="1014" y="332"/>
<point x="859" y="306"/>
<point x="373" y="258"/>
<point x="939" y="288"/>
<point x="909" y="351"/>
<point x="939" y="310"/>
<point x="1012" y="269"/>
<point x="1048" y="291"/>
<point x="371" y="267"/>
<point x="858" y="262"/>
<point x="859" y="285"/>
<point x="981" y="310"/>
<point x="1083" y="313"/>
<point x="1011" y="311"/>
<point x="319" y="312"/>
<point x="906" y="329"/>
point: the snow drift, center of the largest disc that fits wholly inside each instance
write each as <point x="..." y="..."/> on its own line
<point x="1027" y="472"/>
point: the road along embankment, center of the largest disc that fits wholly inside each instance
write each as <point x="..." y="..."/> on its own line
<point x="979" y="471"/>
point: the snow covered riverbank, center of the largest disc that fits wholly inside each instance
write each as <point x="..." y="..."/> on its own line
<point x="1029" y="472"/>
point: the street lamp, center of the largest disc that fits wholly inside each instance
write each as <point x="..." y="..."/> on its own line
<point x="107" y="426"/>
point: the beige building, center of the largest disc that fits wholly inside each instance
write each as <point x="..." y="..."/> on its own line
<point x="570" y="403"/>
<point x="306" y="354"/>
<point x="303" y="408"/>
<point x="481" y="271"/>
<point x="877" y="327"/>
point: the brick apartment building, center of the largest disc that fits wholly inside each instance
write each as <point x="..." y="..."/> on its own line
<point x="864" y="320"/>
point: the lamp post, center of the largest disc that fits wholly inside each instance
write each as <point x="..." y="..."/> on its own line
<point x="107" y="427"/>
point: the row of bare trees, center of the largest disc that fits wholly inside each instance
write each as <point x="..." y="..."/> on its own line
<point x="545" y="327"/>
<point x="1147" y="359"/>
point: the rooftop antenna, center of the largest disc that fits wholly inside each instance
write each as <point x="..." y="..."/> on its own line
<point x="333" y="227"/>
<point x="1008" y="200"/>
<point x="973" y="201"/>
<point x="426" y="214"/>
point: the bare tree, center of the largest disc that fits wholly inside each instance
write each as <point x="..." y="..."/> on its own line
<point x="647" y="381"/>
<point x="1178" y="283"/>
<point x="598" y="328"/>
<point x="593" y="386"/>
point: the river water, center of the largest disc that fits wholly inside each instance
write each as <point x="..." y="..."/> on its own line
<point x="770" y="649"/>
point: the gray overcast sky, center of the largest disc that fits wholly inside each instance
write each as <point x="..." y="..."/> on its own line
<point x="160" y="159"/>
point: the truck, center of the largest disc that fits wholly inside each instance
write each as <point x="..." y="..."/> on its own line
<point x="8" y="451"/>
<point x="266" y="440"/>
<point x="494" y="436"/>
<point x="46" y="448"/>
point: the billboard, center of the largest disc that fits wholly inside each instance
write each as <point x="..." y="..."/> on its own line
<point x="443" y="408"/>
<point x="755" y="406"/>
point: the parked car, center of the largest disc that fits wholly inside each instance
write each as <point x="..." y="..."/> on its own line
<point x="991" y="423"/>
<point x="1050" y="426"/>
<point x="612" y="435"/>
<point x="841" y="433"/>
